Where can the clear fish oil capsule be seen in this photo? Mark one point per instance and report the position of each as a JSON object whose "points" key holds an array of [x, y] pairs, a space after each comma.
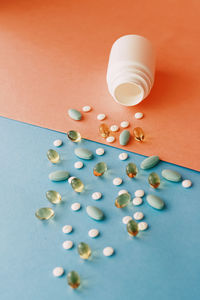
{"points": [[44, 213], [138, 134], [84, 250], [131, 170], [77, 185], [122, 200], [104, 130], [154, 180], [100, 169], [53, 156], [132, 228], [73, 279], [53, 197], [74, 136]]}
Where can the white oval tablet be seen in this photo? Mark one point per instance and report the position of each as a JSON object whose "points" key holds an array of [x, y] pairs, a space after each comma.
{"points": [[117, 181], [110, 139], [108, 251], [122, 192], [139, 193], [67, 245], [138, 215], [100, 151], [67, 229], [58, 271], [86, 108], [78, 164], [126, 219], [75, 206], [114, 128], [96, 196], [186, 183], [123, 156], [124, 124], [70, 179], [142, 226], [93, 233], [137, 201], [57, 143], [139, 115], [101, 117]]}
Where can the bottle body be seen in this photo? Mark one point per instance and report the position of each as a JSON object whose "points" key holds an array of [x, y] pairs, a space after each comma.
{"points": [[131, 67]]}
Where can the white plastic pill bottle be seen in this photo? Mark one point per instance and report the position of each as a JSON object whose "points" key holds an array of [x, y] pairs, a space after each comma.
{"points": [[131, 68]]}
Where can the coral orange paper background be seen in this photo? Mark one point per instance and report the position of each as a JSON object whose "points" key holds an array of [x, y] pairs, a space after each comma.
{"points": [[53, 55]]}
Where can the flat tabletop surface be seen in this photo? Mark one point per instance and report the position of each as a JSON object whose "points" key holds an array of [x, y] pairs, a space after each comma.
{"points": [[161, 263]]}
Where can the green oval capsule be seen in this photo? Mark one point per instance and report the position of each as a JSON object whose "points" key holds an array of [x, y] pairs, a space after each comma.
{"points": [[58, 175], [171, 175], [74, 114], [155, 202], [83, 153], [124, 137], [94, 213], [149, 162]]}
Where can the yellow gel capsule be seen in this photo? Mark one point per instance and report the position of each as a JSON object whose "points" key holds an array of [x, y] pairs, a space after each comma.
{"points": [[44, 213], [73, 279], [132, 228], [100, 169], [53, 156], [77, 185], [131, 170], [74, 136], [138, 134], [104, 130], [84, 250], [154, 180], [53, 197]]}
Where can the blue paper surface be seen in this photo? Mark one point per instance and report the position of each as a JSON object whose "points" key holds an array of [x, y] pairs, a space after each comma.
{"points": [[161, 263]]}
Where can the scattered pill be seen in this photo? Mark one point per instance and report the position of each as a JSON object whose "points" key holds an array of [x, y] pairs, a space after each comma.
{"points": [[75, 114], [70, 179], [58, 175], [77, 185], [83, 153], [100, 151], [139, 193], [58, 271], [53, 197], [110, 139], [74, 136], [57, 143], [67, 245], [171, 175], [93, 233], [131, 170], [94, 212], [108, 251], [101, 117], [99, 169], [139, 115], [149, 162], [84, 250], [126, 219], [73, 279], [138, 215], [53, 156], [124, 137], [123, 156], [78, 165], [117, 181], [124, 124], [67, 229], [137, 201], [122, 192], [138, 134], [142, 226], [132, 228], [155, 201], [154, 180], [186, 183], [104, 130], [44, 213], [75, 206], [122, 200], [114, 128], [86, 108], [96, 196]]}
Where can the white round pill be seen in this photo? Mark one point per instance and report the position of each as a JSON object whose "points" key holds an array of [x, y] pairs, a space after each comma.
{"points": [[101, 117], [124, 124], [123, 156], [114, 128], [67, 245], [96, 196], [139, 193], [93, 233], [58, 271], [142, 226], [78, 164], [186, 183], [57, 143], [126, 219], [75, 206], [100, 151], [137, 201], [139, 115], [122, 192], [138, 215], [86, 108], [70, 179], [108, 251], [110, 139], [67, 229], [117, 181]]}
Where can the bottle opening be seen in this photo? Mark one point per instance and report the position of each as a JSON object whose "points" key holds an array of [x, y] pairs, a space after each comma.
{"points": [[128, 94]]}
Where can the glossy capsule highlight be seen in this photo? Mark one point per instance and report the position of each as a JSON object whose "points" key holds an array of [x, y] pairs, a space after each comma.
{"points": [[74, 136], [132, 228], [44, 213], [53, 197], [84, 250], [122, 200], [53, 156], [154, 180], [104, 130], [73, 279], [100, 169], [77, 185], [138, 134], [131, 170]]}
